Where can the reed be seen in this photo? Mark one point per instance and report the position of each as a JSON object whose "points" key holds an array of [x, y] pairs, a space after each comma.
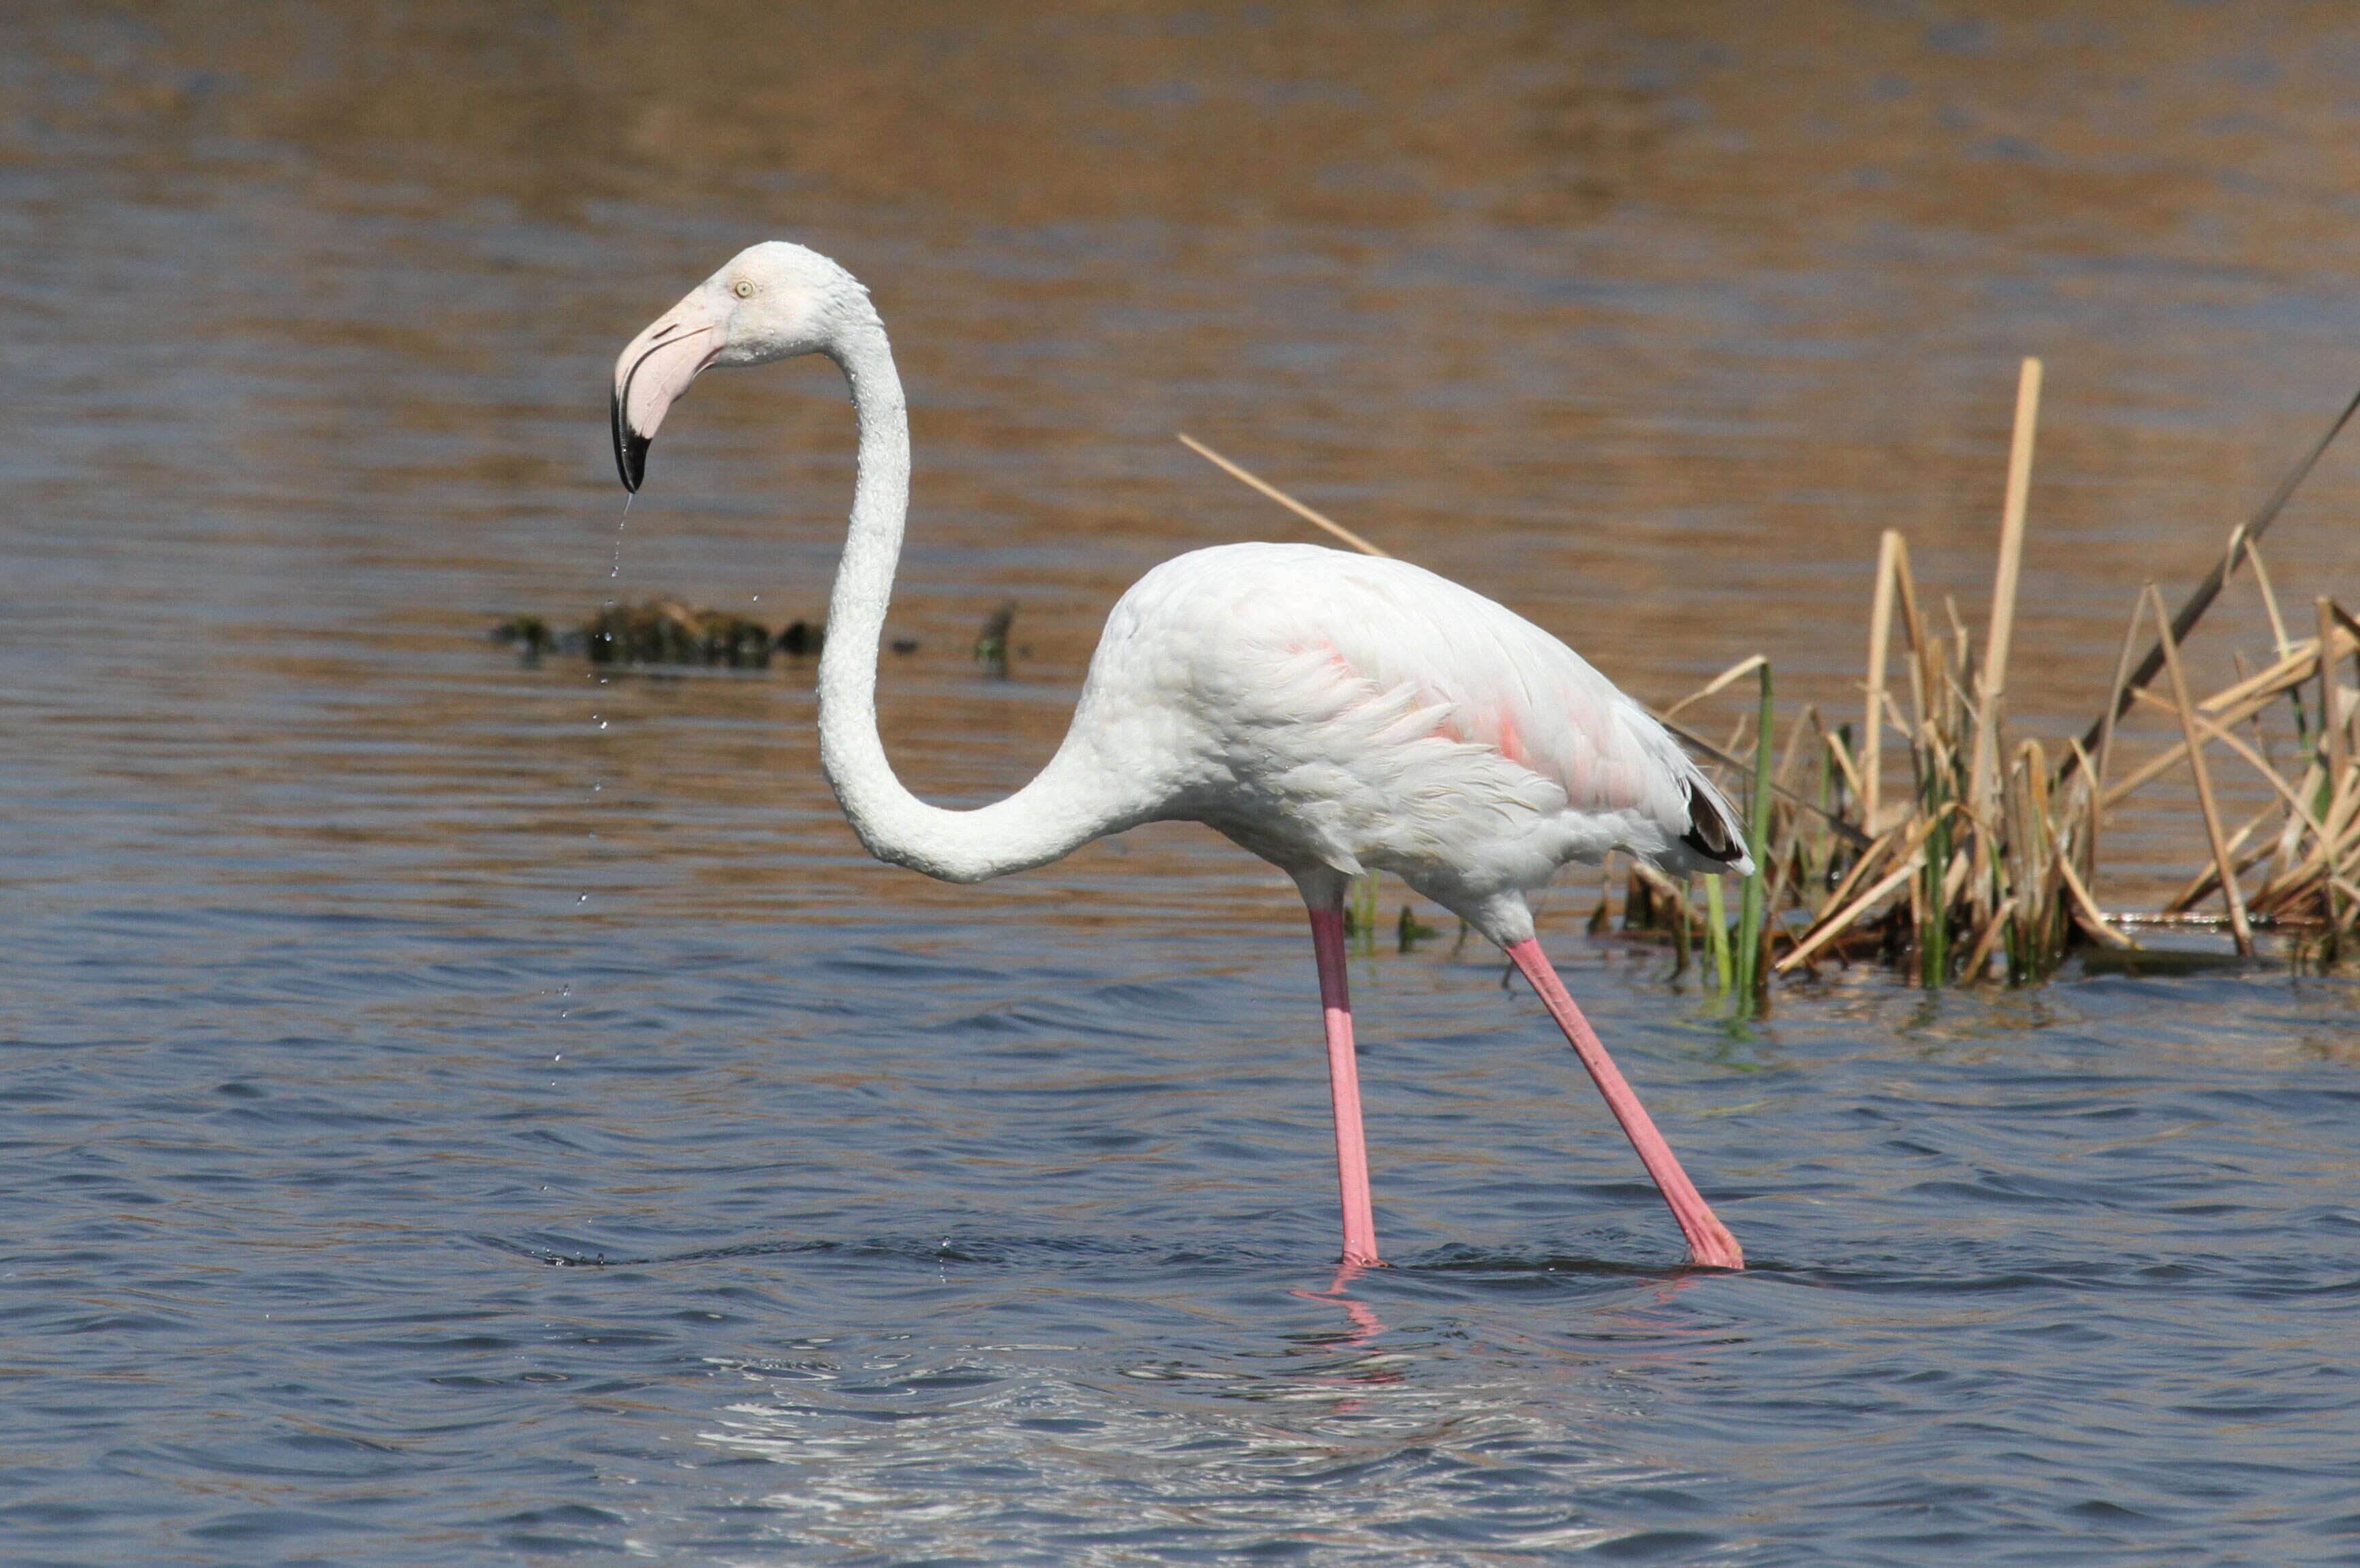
{"points": [[1982, 865], [1982, 870]]}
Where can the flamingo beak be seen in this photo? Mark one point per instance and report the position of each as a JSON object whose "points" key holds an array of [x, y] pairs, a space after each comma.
{"points": [[655, 369]]}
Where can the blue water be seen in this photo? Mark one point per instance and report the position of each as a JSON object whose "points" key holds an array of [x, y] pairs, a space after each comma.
{"points": [[387, 1240], [454, 1111]]}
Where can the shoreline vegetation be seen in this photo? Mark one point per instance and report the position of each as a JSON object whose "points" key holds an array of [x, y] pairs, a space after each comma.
{"points": [[662, 631]]}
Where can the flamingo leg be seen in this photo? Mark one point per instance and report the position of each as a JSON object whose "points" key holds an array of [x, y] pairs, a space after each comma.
{"points": [[1710, 1242], [1344, 1086]]}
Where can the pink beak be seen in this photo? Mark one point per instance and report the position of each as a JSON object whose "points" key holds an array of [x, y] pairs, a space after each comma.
{"points": [[653, 372]]}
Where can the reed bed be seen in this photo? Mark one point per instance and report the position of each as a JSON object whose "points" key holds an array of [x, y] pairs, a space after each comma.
{"points": [[1982, 865], [1926, 835]]}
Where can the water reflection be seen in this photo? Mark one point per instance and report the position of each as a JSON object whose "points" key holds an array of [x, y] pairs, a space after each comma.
{"points": [[1363, 1319]]}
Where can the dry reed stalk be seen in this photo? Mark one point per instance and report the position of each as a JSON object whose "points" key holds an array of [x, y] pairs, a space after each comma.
{"points": [[1892, 560], [1876, 855], [1994, 684], [2231, 893], [2029, 855], [1960, 865], [2099, 796], [2083, 793], [2338, 758], [1744, 666], [2269, 597], [2091, 775], [2089, 916], [1840, 756], [1919, 925], [1978, 962], [1908, 849], [1862, 868], [1913, 627], [1281, 497], [2325, 854], [2337, 752], [1829, 930], [2343, 620], [2300, 663]]}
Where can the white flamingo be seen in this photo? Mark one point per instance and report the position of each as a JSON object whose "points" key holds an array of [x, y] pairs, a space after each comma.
{"points": [[1331, 713]]}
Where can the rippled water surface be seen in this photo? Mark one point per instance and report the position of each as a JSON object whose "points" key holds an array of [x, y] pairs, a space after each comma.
{"points": [[458, 1111]]}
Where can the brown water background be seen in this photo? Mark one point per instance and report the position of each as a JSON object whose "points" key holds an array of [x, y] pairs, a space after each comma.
{"points": [[356, 969]]}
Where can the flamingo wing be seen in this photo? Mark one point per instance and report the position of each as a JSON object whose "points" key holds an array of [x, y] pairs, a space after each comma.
{"points": [[1395, 716]]}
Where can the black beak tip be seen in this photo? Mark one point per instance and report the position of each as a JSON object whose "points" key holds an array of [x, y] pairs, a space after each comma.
{"points": [[630, 451]]}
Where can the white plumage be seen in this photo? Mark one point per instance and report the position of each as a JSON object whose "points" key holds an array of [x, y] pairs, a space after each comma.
{"points": [[1326, 709], [1331, 713]]}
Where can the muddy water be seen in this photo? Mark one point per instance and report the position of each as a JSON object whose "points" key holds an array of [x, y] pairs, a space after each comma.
{"points": [[458, 1111]]}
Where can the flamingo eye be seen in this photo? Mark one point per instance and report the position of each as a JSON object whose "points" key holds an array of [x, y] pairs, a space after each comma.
{"points": [[742, 289]]}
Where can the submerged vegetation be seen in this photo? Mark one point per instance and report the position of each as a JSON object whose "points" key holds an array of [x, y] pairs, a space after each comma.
{"points": [[1928, 838], [662, 631]]}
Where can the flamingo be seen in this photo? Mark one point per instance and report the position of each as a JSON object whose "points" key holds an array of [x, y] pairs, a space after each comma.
{"points": [[1331, 713]]}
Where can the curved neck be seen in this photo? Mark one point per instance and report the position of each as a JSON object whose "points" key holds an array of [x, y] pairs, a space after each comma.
{"points": [[1060, 810]]}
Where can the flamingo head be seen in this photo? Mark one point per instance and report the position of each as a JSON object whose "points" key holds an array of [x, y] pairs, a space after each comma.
{"points": [[773, 300]]}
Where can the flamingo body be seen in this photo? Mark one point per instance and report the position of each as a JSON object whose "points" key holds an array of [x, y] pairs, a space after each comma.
{"points": [[1331, 713], [1327, 711]]}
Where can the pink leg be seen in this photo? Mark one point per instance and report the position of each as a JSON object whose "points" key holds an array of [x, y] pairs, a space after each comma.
{"points": [[1710, 1242], [1344, 1084]]}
